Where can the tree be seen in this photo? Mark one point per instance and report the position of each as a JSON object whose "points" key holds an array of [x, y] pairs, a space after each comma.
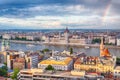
{"points": [[3, 71], [23, 39], [37, 39], [0, 37], [118, 61], [109, 44], [14, 75], [5, 63], [49, 67], [71, 50], [97, 40], [45, 50], [5, 68]]}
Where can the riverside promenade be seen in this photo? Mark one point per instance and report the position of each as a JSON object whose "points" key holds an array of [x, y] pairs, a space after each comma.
{"points": [[80, 45], [62, 44], [24, 42]]}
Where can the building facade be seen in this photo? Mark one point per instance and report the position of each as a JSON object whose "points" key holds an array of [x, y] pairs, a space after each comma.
{"points": [[32, 60], [59, 63], [104, 63], [118, 40], [19, 63], [40, 74]]}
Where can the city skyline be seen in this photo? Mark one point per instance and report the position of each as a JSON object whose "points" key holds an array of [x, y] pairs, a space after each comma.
{"points": [[46, 14]]}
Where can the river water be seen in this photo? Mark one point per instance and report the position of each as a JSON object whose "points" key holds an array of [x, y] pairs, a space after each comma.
{"points": [[89, 51]]}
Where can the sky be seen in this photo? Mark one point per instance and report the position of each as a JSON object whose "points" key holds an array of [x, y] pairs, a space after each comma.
{"points": [[59, 14]]}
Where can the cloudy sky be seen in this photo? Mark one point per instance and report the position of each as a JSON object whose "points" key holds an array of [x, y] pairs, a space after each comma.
{"points": [[58, 14]]}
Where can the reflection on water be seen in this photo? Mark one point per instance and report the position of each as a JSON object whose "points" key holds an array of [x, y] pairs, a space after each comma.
{"points": [[89, 51]]}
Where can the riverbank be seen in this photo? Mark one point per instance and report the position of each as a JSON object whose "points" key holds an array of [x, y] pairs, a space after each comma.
{"points": [[81, 45], [25, 42], [63, 44]]}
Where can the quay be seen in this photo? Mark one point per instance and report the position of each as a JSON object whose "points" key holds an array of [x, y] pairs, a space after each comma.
{"points": [[63, 44]]}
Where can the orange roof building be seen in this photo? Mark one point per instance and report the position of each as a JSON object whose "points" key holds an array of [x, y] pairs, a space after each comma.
{"points": [[105, 52]]}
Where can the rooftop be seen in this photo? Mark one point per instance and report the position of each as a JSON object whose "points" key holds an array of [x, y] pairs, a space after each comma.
{"points": [[20, 60], [106, 52], [2, 78], [32, 70], [85, 60], [117, 68], [56, 73], [60, 61], [106, 61]]}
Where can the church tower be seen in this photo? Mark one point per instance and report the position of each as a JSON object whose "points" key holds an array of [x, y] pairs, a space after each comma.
{"points": [[104, 52], [101, 46], [5, 45]]}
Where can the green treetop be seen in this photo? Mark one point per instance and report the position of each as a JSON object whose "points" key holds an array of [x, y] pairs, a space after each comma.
{"points": [[49, 67], [71, 50], [14, 75]]}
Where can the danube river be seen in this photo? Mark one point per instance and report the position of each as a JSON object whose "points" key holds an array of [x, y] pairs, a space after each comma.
{"points": [[88, 51]]}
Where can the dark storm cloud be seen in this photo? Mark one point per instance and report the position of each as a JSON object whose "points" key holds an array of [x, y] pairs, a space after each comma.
{"points": [[85, 10], [13, 7]]}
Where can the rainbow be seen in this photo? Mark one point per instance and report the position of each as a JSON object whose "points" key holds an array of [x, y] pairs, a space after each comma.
{"points": [[106, 12]]}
